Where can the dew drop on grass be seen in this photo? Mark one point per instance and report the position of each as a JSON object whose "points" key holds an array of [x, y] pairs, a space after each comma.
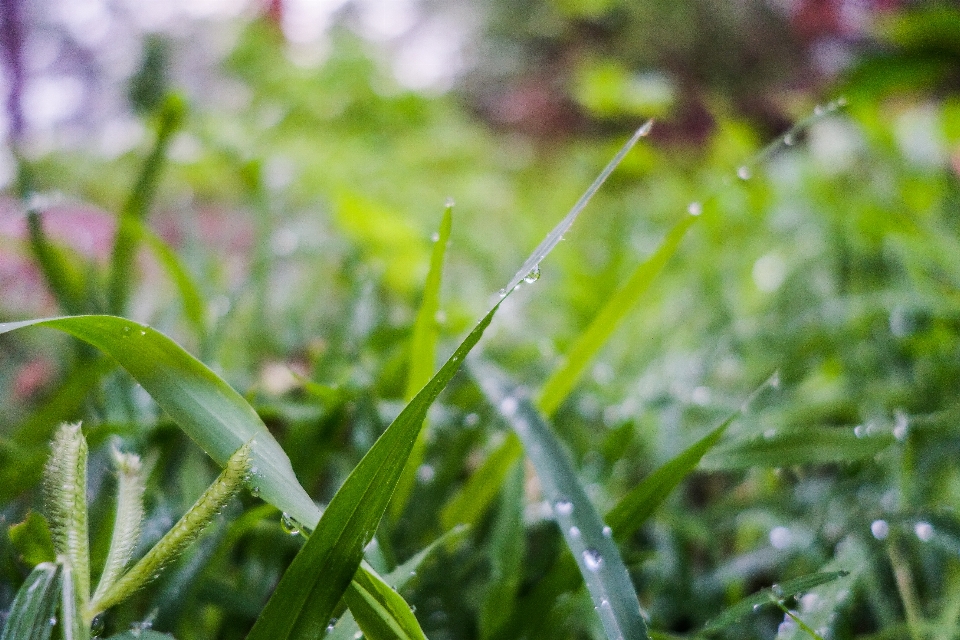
{"points": [[126, 331], [924, 531], [450, 203], [289, 525], [818, 110], [744, 172], [695, 208], [900, 424], [508, 406], [255, 491], [607, 532], [757, 606], [502, 293], [563, 507], [592, 559], [52, 621], [435, 237], [574, 532], [777, 590], [358, 635], [789, 139], [646, 128], [330, 627], [860, 431], [533, 276], [425, 473]]}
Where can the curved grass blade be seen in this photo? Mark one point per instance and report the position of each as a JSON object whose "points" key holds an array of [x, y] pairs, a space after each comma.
{"points": [[214, 415], [380, 611], [471, 502], [62, 276], [308, 593], [593, 548], [505, 554], [35, 605], [187, 287], [562, 380], [772, 595], [817, 445], [423, 355], [556, 234]]}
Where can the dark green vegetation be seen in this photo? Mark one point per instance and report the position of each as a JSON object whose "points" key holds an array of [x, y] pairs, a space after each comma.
{"points": [[731, 393]]}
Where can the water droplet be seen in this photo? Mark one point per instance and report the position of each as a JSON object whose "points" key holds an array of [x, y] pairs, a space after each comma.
{"points": [[789, 139], [645, 128], [358, 635], [592, 559], [757, 606], [574, 532], [818, 110], [425, 473], [330, 628], [413, 608], [508, 406], [502, 293], [775, 380], [777, 590], [695, 208], [126, 331], [860, 430], [924, 531], [289, 525], [780, 537], [607, 532], [52, 621], [96, 627], [533, 276], [841, 102], [255, 491], [450, 203], [744, 173], [604, 603], [769, 434], [471, 420], [142, 332], [563, 507], [900, 424], [880, 529], [435, 236]]}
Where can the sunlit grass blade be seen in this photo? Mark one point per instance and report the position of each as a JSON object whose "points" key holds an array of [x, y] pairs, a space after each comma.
{"points": [[35, 605], [313, 584], [423, 355], [470, 503], [138, 203], [771, 595], [556, 234], [346, 627], [190, 298], [814, 445], [561, 382], [592, 546], [203, 405], [380, 611]]}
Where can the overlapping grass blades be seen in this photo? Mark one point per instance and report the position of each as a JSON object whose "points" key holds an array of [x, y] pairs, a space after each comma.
{"points": [[311, 587], [35, 605], [585, 533]]}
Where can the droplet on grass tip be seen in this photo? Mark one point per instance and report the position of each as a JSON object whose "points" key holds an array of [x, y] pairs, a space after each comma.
{"points": [[607, 532], [744, 172], [645, 128], [289, 525], [695, 208], [777, 590], [592, 559], [450, 203]]}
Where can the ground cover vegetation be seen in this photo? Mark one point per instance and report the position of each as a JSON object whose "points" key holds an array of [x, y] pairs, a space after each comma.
{"points": [[339, 363]]}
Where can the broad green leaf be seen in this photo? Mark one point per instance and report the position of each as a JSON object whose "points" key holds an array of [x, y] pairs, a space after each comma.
{"points": [[423, 356], [308, 593], [33, 612], [639, 504], [816, 445], [471, 502], [380, 611], [561, 382], [771, 595], [346, 627], [532, 264], [32, 539], [204, 406], [592, 546]]}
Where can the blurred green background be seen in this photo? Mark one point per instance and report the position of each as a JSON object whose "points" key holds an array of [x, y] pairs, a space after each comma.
{"points": [[319, 145]]}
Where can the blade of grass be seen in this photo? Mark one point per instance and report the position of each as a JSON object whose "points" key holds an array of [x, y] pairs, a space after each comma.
{"points": [[593, 549], [816, 445], [772, 595], [380, 611], [556, 234], [470, 503], [505, 555], [588, 344], [423, 356], [35, 605], [171, 115], [62, 276], [214, 415], [313, 584]]}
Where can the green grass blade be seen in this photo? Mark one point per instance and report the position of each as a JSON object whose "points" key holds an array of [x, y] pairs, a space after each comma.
{"points": [[380, 611], [142, 634], [556, 234], [135, 209], [633, 509], [816, 445], [35, 605], [771, 595], [203, 405], [472, 501], [190, 297], [313, 584], [62, 276], [565, 376], [423, 356], [505, 555], [593, 549]]}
